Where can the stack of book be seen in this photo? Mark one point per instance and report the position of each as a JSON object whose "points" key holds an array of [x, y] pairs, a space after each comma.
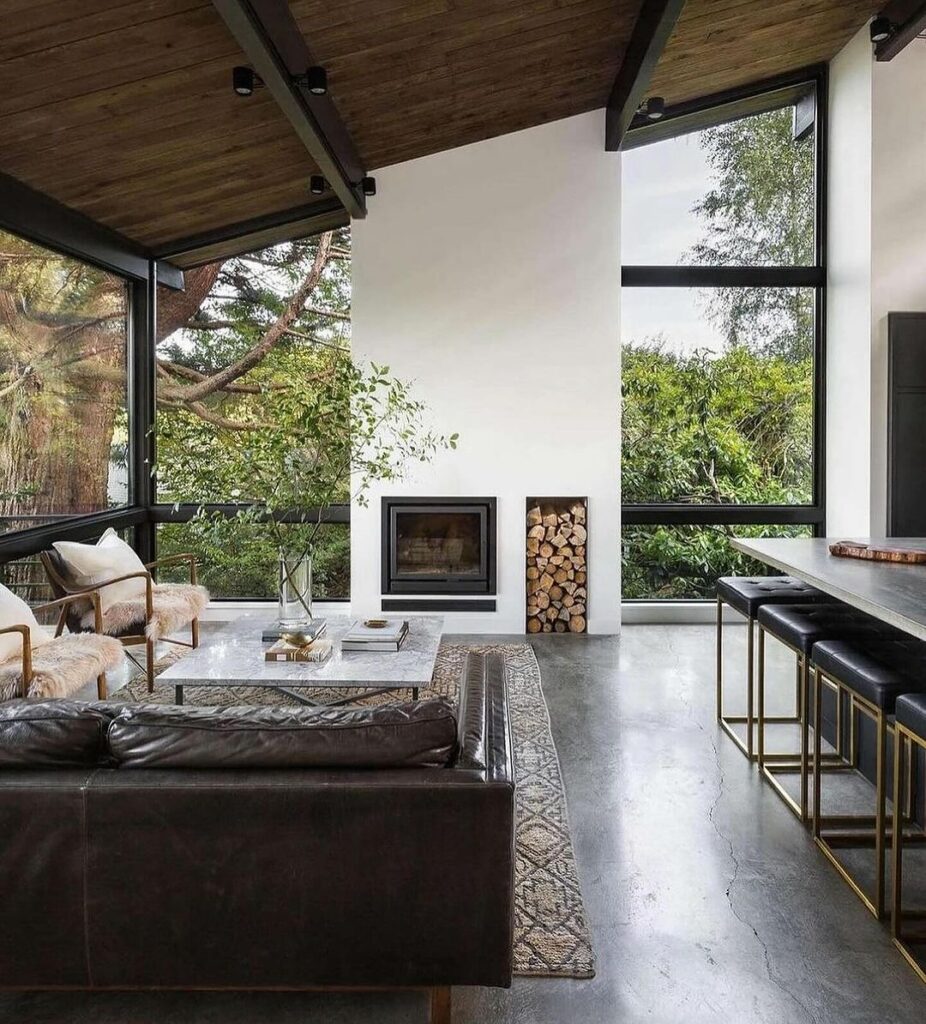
{"points": [[283, 650], [375, 635]]}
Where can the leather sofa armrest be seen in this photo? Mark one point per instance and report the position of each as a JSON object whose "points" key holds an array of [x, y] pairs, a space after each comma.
{"points": [[484, 732]]}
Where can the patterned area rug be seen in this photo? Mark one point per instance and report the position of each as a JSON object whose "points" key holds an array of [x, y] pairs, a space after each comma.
{"points": [[551, 931]]}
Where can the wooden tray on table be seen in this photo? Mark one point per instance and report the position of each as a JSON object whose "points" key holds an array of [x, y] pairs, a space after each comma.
{"points": [[878, 552]]}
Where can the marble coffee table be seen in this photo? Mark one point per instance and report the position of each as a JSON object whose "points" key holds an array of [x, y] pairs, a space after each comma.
{"points": [[234, 656]]}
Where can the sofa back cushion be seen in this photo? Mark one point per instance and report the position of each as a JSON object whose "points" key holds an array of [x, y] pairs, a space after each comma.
{"points": [[51, 733], [417, 734]]}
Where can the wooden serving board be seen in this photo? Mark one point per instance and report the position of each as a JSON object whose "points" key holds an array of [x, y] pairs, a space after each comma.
{"points": [[878, 552]]}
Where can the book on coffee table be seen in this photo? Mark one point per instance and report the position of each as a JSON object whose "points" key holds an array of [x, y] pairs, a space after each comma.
{"points": [[387, 637], [282, 650]]}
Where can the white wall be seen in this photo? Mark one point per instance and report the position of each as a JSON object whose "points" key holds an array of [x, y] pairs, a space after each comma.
{"points": [[876, 264], [898, 237], [490, 275], [848, 313]]}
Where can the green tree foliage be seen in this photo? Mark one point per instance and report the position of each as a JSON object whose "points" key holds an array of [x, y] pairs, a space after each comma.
{"points": [[759, 211]]}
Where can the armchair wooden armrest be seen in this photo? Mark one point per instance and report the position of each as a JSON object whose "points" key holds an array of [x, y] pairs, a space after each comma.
{"points": [[65, 602], [184, 556], [138, 574], [26, 634]]}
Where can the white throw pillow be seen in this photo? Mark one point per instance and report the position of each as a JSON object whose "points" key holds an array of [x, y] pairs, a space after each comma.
{"points": [[15, 612], [109, 558]]}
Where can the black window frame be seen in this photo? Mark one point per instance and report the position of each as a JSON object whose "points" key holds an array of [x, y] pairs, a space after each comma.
{"points": [[682, 119]]}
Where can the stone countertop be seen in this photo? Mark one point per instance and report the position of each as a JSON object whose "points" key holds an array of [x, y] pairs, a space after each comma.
{"points": [[892, 592], [234, 656]]}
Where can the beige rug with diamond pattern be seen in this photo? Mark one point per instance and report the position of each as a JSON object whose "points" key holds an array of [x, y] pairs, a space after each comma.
{"points": [[551, 930]]}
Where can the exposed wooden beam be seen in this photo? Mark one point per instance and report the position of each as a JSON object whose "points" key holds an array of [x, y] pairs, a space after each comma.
{"points": [[324, 215], [909, 20], [268, 34], [651, 32]]}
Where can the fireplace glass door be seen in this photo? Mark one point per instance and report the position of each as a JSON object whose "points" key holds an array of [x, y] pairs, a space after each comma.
{"points": [[438, 547]]}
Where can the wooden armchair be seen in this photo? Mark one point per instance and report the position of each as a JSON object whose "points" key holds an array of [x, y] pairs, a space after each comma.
{"points": [[164, 607], [62, 665]]}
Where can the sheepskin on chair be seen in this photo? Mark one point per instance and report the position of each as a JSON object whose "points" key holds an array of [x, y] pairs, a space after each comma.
{"points": [[175, 605], [62, 666]]}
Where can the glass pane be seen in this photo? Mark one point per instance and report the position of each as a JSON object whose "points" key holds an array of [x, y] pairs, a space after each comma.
{"points": [[684, 562], [717, 395], [739, 194], [438, 544], [234, 386], [63, 421], [239, 559]]}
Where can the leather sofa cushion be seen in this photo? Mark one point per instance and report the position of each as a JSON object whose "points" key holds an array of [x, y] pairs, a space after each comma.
{"points": [[416, 734], [51, 733]]}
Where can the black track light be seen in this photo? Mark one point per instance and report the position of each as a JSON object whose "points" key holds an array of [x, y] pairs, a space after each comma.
{"points": [[881, 29], [244, 81], [654, 108], [316, 81], [368, 186], [317, 184]]}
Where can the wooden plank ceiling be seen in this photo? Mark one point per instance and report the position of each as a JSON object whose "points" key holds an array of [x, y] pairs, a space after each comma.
{"points": [[721, 44], [123, 109]]}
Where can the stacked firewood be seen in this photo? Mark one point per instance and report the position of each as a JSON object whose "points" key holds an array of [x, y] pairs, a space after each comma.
{"points": [[556, 567]]}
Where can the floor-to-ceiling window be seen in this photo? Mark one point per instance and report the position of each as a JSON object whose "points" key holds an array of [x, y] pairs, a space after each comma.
{"points": [[722, 337], [64, 427]]}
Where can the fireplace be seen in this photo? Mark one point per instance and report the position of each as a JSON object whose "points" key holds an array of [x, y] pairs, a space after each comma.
{"points": [[438, 546]]}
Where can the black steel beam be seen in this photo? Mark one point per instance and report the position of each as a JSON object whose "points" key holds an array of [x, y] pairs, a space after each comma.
{"points": [[637, 276], [25, 211], [908, 17], [22, 543], [651, 32], [721, 515], [257, 233], [727, 105], [274, 44]]}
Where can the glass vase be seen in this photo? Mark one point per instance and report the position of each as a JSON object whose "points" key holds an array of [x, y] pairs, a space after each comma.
{"points": [[295, 581]]}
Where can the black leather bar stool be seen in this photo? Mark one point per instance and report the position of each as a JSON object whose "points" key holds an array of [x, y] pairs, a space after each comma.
{"points": [[909, 734], [746, 595], [874, 675], [799, 627]]}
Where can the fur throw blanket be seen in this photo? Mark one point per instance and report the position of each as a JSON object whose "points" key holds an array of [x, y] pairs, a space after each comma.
{"points": [[62, 666], [175, 605]]}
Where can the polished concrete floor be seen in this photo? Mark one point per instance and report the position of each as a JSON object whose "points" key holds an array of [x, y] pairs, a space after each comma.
{"points": [[707, 901]]}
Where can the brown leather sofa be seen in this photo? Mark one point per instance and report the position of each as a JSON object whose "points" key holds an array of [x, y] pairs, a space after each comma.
{"points": [[259, 878]]}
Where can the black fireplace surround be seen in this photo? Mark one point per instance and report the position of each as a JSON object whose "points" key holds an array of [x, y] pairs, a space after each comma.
{"points": [[438, 545]]}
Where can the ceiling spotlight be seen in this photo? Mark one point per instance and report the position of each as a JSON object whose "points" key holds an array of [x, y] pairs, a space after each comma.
{"points": [[317, 184], [368, 186], [881, 29], [316, 81], [654, 108], [244, 81]]}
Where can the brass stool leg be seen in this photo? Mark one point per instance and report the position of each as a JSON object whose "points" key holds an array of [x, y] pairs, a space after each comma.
{"points": [[817, 747], [750, 686], [880, 813], [760, 682], [805, 734], [897, 840], [719, 658]]}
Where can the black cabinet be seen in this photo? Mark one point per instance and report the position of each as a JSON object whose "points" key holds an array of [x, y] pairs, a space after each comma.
{"points": [[906, 459]]}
